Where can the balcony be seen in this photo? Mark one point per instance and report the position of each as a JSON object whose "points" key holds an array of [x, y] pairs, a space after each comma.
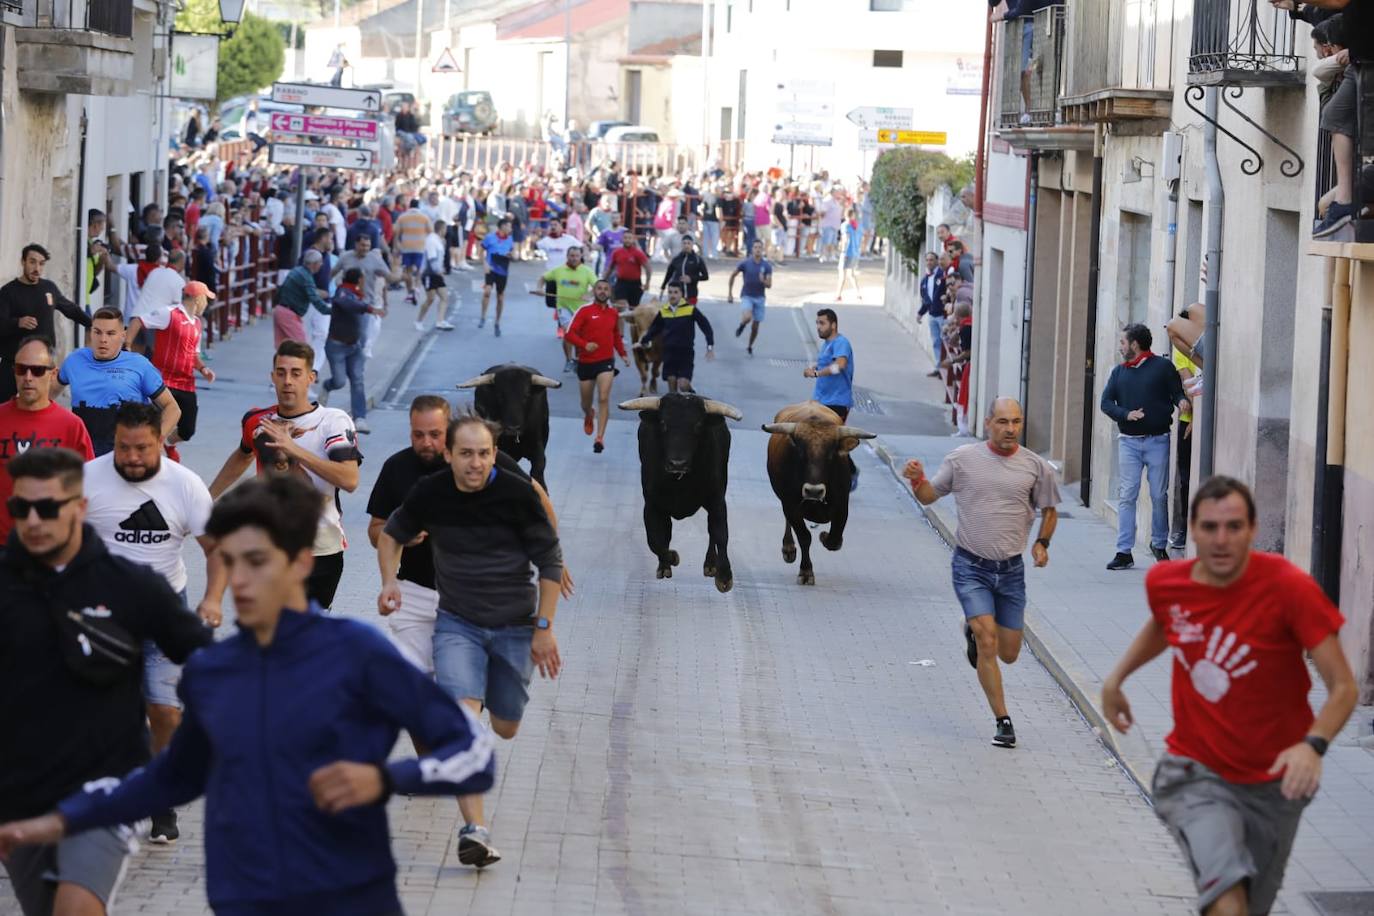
{"points": [[79, 47], [1243, 43], [1031, 77], [1117, 62]]}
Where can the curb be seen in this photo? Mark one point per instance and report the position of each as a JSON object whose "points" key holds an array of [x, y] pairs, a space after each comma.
{"points": [[1081, 690], [377, 394]]}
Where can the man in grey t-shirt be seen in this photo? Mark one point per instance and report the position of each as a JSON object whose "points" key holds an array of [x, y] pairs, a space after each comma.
{"points": [[997, 487], [369, 260]]}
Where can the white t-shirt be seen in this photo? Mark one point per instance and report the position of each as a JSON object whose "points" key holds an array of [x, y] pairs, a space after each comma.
{"points": [[128, 272], [434, 253], [161, 290], [149, 520], [557, 248]]}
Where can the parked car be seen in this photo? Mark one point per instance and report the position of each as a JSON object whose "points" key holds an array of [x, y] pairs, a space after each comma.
{"points": [[470, 112], [597, 129], [631, 133]]}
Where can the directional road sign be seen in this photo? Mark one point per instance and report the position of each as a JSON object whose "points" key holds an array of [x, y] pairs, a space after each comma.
{"points": [[870, 118], [329, 157], [804, 112], [312, 126], [916, 137], [868, 140], [317, 96]]}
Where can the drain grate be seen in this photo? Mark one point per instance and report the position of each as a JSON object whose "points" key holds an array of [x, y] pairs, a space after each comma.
{"points": [[865, 402], [1343, 903], [779, 363]]}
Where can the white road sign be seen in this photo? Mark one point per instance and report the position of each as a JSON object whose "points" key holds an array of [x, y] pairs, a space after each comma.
{"points": [[329, 157], [871, 118], [327, 96], [804, 112]]}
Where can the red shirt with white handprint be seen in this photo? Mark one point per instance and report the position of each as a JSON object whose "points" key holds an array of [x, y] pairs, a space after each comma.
{"points": [[1240, 680]]}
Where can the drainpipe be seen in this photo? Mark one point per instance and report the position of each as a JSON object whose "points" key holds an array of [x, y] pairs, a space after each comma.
{"points": [[980, 166], [79, 255], [1211, 299], [1090, 356], [1028, 288], [1171, 248], [1328, 483]]}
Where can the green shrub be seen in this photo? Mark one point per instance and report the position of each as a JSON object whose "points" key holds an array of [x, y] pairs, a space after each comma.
{"points": [[902, 181]]}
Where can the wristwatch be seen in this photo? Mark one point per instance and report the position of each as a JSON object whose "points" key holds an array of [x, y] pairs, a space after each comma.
{"points": [[542, 623], [1043, 542], [1317, 743]]}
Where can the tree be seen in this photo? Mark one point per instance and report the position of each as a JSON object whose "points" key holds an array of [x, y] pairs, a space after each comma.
{"points": [[250, 59], [903, 179]]}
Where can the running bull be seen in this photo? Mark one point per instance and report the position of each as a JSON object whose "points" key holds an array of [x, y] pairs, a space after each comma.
{"points": [[517, 398], [810, 470], [684, 457]]}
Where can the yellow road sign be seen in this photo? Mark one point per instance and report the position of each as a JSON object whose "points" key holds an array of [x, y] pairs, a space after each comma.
{"points": [[919, 137]]}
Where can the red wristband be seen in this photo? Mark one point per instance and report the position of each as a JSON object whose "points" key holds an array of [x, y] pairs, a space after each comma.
{"points": [[916, 484]]}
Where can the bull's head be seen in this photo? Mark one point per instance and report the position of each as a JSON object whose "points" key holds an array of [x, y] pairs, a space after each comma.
{"points": [[680, 419], [819, 445], [503, 394]]}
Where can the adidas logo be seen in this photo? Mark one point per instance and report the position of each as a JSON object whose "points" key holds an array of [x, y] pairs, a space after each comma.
{"points": [[142, 526]]}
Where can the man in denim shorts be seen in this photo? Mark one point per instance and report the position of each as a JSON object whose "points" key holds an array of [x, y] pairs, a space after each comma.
{"points": [[758, 279], [486, 527], [997, 487]]}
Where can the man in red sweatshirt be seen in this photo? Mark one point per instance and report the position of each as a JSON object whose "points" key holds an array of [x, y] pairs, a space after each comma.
{"points": [[595, 330]]}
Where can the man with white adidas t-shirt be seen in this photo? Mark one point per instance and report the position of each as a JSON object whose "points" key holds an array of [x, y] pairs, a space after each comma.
{"points": [[144, 509]]}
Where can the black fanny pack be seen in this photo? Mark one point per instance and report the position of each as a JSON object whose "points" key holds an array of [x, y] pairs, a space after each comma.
{"points": [[94, 647]]}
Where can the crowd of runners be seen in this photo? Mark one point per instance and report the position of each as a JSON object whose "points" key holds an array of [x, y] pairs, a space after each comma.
{"points": [[286, 726]]}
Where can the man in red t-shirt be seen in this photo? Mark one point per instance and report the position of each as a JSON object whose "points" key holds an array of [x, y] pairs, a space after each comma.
{"points": [[176, 354], [31, 420], [1245, 755], [595, 331], [628, 264]]}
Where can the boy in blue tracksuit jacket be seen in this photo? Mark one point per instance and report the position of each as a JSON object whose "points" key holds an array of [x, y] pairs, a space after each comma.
{"points": [[286, 732], [678, 322]]}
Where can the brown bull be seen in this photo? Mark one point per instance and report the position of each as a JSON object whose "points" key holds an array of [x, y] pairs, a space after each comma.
{"points": [[810, 470], [648, 360]]}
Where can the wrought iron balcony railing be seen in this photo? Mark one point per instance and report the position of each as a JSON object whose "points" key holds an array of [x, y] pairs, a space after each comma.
{"points": [[1031, 66], [1243, 43]]}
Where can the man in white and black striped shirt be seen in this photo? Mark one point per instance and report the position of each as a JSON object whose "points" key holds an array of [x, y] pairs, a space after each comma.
{"points": [[997, 487]]}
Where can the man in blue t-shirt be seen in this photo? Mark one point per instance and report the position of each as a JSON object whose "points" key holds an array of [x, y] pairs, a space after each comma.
{"points": [[104, 375], [758, 278], [834, 373], [498, 247]]}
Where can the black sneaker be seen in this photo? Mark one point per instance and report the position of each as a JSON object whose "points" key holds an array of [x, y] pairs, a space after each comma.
{"points": [[1178, 542], [598, 446], [1121, 561], [749, 350], [740, 330], [1006, 735], [164, 831], [474, 847], [972, 646], [1159, 553]]}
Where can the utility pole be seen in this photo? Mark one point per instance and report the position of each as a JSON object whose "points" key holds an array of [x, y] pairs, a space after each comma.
{"points": [[567, 63], [419, 46]]}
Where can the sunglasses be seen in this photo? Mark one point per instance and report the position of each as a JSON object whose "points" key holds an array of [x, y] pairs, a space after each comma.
{"points": [[23, 369], [47, 507]]}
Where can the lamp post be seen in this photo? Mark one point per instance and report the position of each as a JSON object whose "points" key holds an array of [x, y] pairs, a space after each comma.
{"points": [[231, 11]]}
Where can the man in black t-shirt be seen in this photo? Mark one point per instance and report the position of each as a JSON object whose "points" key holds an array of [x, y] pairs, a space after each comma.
{"points": [[27, 304]]}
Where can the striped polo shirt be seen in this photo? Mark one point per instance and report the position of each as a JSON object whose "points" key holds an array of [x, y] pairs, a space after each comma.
{"points": [[996, 496], [412, 228]]}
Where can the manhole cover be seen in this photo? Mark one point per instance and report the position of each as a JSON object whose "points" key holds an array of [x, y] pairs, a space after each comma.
{"points": [[1343, 903]]}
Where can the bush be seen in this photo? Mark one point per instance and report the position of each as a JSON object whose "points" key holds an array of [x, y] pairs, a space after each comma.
{"points": [[902, 180]]}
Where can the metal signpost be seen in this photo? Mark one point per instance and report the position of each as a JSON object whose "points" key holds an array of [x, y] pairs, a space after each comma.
{"points": [[316, 96]]}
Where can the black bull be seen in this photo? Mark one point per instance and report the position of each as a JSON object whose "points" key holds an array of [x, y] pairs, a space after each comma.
{"points": [[516, 397], [684, 457]]}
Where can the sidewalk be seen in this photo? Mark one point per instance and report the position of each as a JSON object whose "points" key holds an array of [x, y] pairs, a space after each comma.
{"points": [[1081, 618]]}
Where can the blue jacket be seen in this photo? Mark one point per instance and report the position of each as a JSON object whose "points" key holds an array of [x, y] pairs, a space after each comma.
{"points": [[257, 722], [933, 304], [679, 328]]}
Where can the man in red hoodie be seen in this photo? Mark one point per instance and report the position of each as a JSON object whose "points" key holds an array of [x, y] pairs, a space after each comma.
{"points": [[595, 330]]}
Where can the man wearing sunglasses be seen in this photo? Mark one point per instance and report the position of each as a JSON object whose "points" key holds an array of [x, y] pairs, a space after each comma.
{"points": [[31, 419], [70, 625]]}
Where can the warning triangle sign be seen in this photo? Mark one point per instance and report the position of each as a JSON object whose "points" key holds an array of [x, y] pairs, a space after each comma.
{"points": [[445, 63]]}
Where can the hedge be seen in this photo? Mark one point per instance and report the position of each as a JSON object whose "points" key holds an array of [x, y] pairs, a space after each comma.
{"points": [[902, 181]]}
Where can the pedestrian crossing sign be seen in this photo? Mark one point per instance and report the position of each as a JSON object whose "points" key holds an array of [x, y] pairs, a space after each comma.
{"points": [[446, 63]]}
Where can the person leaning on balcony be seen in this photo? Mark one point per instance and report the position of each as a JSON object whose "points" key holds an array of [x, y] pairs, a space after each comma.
{"points": [[1024, 10], [1141, 395]]}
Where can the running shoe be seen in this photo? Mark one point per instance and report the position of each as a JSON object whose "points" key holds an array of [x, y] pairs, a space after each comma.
{"points": [[410, 297], [1006, 735], [1121, 561], [1178, 542], [587, 424], [481, 322], [1159, 553], [498, 329], [740, 330], [323, 399], [1337, 217], [360, 425], [569, 366], [443, 325], [164, 831], [474, 847], [972, 647], [598, 446], [420, 326], [749, 350]]}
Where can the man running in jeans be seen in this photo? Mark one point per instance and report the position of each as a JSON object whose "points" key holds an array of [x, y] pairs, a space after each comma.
{"points": [[486, 528], [1245, 755], [595, 331], [758, 278], [997, 487], [145, 509]]}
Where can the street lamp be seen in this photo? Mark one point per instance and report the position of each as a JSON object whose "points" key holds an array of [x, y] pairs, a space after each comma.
{"points": [[231, 11]]}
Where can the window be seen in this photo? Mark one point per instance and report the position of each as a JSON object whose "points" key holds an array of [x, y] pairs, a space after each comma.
{"points": [[887, 58]]}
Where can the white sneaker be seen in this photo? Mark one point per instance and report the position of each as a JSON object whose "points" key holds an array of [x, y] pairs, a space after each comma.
{"points": [[419, 325], [323, 399], [443, 325], [360, 425]]}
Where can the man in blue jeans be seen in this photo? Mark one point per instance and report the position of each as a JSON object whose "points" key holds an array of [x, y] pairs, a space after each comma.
{"points": [[486, 527], [344, 347], [1141, 396], [997, 487]]}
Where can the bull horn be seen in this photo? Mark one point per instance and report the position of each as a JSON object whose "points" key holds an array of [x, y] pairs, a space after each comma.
{"points": [[853, 432], [544, 381], [640, 404], [485, 378], [785, 429], [722, 409]]}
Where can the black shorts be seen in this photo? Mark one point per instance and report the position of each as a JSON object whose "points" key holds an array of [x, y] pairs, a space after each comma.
{"points": [[435, 281], [186, 400], [323, 581], [630, 291], [551, 293], [678, 364], [842, 411], [497, 280], [588, 372]]}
